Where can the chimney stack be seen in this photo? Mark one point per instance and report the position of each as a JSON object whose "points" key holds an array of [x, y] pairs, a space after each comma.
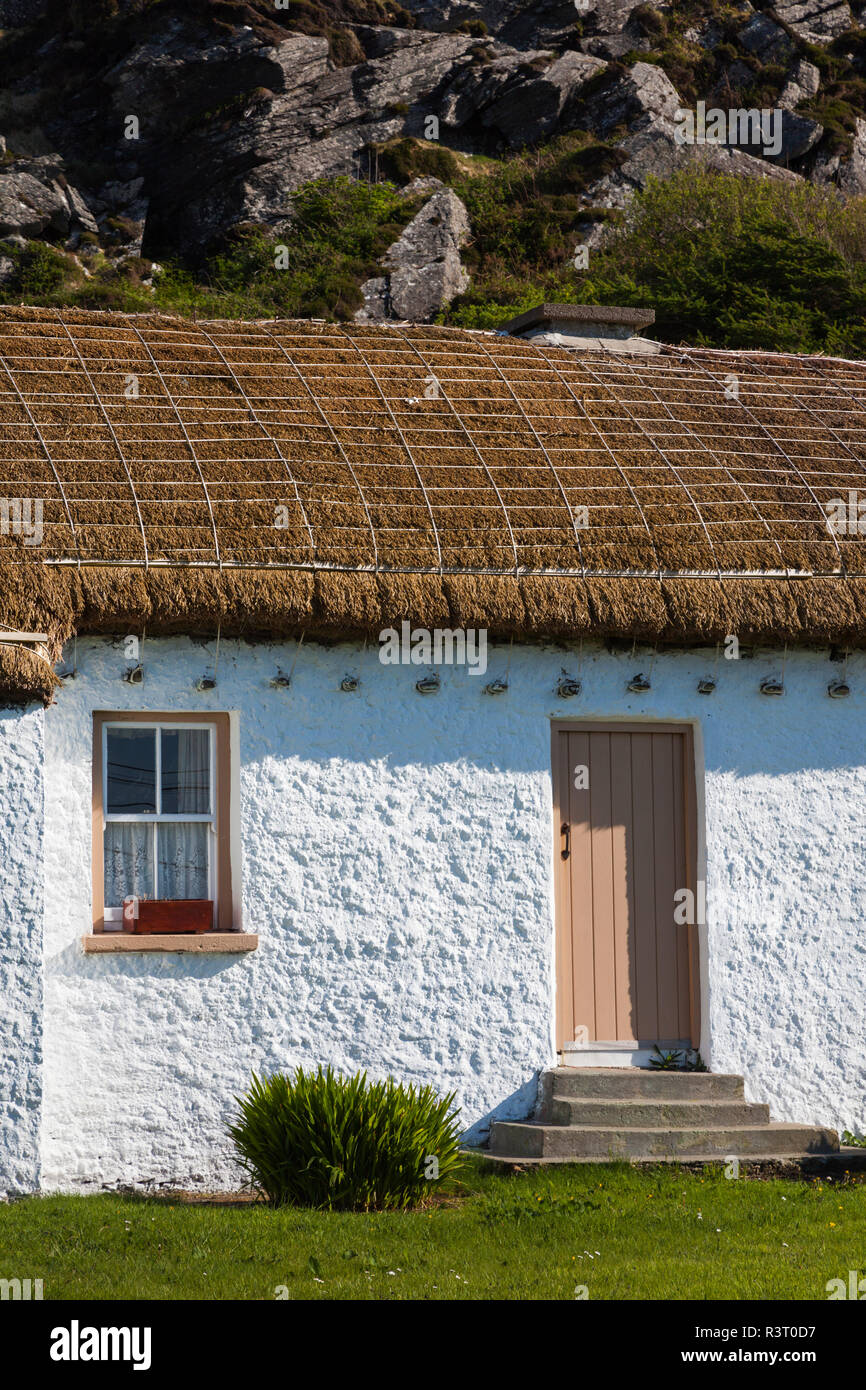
{"points": [[596, 326]]}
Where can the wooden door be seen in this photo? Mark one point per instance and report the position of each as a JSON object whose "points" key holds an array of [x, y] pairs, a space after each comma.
{"points": [[625, 825]]}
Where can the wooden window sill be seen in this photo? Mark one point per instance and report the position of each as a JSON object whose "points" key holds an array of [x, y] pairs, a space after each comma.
{"points": [[227, 942]]}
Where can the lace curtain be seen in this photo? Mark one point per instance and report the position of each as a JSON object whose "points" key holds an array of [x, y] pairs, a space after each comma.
{"points": [[182, 860], [128, 861], [182, 847]]}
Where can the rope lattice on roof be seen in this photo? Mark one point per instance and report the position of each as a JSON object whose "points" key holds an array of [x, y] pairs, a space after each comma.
{"points": [[269, 439], [748, 500], [574, 526], [653, 442], [466, 503], [101, 407], [408, 451], [839, 385], [777, 445], [337, 442], [478, 454], [613, 457], [189, 444], [47, 452]]}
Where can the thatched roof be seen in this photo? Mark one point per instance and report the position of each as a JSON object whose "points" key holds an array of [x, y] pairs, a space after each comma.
{"points": [[285, 477]]}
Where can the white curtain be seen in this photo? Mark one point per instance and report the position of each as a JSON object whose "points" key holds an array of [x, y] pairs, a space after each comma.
{"points": [[182, 848], [193, 772], [128, 861]]}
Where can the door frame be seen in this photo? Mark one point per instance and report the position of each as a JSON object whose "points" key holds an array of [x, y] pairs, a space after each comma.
{"points": [[694, 852]]}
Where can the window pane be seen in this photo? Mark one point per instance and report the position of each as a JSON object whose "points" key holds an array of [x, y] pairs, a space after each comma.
{"points": [[185, 772], [182, 850], [128, 861], [131, 779]]}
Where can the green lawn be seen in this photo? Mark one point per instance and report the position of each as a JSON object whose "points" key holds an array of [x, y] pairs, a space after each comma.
{"points": [[623, 1233]]}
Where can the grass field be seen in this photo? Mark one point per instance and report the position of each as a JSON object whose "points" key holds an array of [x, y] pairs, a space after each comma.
{"points": [[622, 1233]]}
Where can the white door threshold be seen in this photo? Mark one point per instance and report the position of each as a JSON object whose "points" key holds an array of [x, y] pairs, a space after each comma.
{"points": [[615, 1054]]}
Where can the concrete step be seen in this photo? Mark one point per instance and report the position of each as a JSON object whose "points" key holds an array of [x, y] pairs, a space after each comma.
{"points": [[635, 1083], [655, 1114], [774, 1165], [532, 1139]]}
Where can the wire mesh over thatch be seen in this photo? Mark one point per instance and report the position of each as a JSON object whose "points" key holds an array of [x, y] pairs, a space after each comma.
{"points": [[280, 477]]}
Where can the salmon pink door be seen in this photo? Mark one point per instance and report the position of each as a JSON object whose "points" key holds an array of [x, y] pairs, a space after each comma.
{"points": [[625, 826]]}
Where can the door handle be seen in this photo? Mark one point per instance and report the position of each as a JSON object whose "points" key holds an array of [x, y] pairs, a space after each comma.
{"points": [[566, 831]]}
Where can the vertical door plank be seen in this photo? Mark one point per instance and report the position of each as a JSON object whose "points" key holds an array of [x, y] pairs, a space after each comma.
{"points": [[682, 879], [561, 879], [602, 887], [644, 903], [622, 885], [666, 928], [581, 878]]}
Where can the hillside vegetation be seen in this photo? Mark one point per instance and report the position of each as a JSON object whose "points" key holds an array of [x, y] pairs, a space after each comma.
{"points": [[279, 154]]}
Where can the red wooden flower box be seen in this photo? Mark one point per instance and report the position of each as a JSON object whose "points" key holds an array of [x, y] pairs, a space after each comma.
{"points": [[173, 915]]}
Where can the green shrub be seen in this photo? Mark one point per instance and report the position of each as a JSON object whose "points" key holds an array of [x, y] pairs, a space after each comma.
{"points": [[406, 159], [526, 213], [317, 1139], [476, 27], [40, 271], [738, 263]]}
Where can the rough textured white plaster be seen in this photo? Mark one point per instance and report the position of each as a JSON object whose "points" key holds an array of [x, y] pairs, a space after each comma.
{"points": [[397, 863], [21, 914]]}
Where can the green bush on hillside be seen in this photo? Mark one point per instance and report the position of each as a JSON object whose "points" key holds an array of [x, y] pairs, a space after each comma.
{"points": [[738, 263]]}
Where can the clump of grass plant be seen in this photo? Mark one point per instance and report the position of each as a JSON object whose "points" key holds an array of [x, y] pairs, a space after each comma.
{"points": [[344, 1143]]}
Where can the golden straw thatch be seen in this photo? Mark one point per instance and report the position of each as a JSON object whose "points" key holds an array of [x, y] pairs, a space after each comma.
{"points": [[289, 477]]}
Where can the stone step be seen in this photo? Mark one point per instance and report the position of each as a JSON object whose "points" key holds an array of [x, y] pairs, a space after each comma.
{"points": [[635, 1083], [532, 1139], [655, 1114], [774, 1165]]}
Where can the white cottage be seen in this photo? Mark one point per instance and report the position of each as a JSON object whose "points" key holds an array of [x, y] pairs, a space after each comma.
{"points": [[460, 707]]}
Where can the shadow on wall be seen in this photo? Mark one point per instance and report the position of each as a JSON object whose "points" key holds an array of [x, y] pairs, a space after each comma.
{"points": [[520, 1105], [149, 964], [745, 734]]}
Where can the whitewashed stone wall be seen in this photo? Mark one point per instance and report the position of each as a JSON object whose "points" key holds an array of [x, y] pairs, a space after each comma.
{"points": [[397, 864], [21, 917]]}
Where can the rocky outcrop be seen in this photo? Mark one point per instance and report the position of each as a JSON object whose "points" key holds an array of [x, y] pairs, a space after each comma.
{"points": [[647, 102], [847, 173], [449, 14], [766, 40], [520, 96], [423, 267], [313, 121], [802, 85], [816, 21], [799, 136], [37, 200], [196, 118], [644, 99]]}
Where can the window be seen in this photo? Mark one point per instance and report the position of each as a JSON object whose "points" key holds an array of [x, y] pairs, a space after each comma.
{"points": [[161, 815]]}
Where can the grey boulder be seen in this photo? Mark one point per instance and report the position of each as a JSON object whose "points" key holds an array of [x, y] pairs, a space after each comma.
{"points": [[424, 270], [802, 85], [766, 40], [36, 199], [846, 174], [816, 20]]}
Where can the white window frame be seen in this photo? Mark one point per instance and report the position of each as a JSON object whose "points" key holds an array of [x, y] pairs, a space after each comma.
{"points": [[115, 914]]}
